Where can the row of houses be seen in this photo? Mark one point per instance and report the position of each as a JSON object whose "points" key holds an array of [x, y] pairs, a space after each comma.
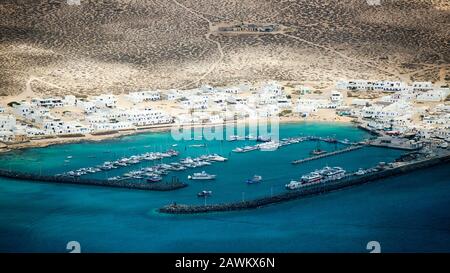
{"points": [[306, 106], [436, 95], [384, 86], [7, 127]]}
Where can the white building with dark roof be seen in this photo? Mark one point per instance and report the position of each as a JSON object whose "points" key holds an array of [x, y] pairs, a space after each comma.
{"points": [[105, 101]]}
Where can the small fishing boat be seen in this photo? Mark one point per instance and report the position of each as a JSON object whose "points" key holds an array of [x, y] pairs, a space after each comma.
{"points": [[115, 178], [218, 158], [197, 145], [360, 172], [154, 179], [202, 176], [318, 152], [254, 179], [204, 193]]}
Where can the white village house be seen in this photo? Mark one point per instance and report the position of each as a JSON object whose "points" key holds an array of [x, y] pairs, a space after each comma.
{"points": [[433, 96], [141, 96], [48, 102], [105, 101], [7, 127]]}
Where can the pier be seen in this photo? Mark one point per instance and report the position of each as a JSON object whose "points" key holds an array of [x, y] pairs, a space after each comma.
{"points": [[346, 150], [395, 143], [309, 191], [369, 130], [162, 186], [291, 141]]}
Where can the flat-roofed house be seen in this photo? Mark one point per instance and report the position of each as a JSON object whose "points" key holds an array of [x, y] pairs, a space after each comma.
{"points": [[47, 103], [141, 96], [422, 86]]}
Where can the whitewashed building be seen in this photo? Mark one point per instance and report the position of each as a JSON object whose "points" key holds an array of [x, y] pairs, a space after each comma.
{"points": [[172, 94], [284, 103], [141, 96], [442, 133], [70, 100], [436, 120], [31, 113], [148, 117], [268, 97], [268, 111], [272, 87], [117, 114], [47, 103], [422, 86], [394, 86], [59, 127], [7, 122], [364, 85], [207, 88], [442, 108], [382, 112], [232, 90], [360, 102], [105, 101], [195, 102], [187, 119], [336, 97], [87, 106], [111, 126], [432, 96], [355, 85], [318, 103]]}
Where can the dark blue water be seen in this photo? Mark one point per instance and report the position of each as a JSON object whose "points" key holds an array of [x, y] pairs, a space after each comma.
{"points": [[406, 213]]}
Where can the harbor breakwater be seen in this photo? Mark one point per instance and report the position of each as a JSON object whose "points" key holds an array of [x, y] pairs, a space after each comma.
{"points": [[161, 186], [309, 191]]}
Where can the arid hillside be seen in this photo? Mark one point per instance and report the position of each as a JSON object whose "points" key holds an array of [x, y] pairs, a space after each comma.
{"points": [[118, 46]]}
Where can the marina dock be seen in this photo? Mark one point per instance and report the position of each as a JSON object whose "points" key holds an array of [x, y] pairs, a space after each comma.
{"points": [[309, 191], [291, 141], [341, 151]]}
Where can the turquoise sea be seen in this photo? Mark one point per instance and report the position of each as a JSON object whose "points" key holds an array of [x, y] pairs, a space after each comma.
{"points": [[409, 213]]}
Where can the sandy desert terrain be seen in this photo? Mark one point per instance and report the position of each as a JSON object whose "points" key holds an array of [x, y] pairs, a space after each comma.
{"points": [[123, 45]]}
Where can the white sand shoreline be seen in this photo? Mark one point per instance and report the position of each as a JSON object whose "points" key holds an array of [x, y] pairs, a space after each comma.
{"points": [[45, 142]]}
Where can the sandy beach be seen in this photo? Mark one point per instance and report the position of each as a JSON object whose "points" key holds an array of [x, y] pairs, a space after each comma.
{"points": [[323, 115]]}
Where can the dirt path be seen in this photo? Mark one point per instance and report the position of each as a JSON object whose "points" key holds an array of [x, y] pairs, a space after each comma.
{"points": [[390, 73], [207, 36], [442, 74]]}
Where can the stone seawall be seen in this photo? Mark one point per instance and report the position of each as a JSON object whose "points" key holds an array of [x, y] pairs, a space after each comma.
{"points": [[313, 190], [162, 186]]}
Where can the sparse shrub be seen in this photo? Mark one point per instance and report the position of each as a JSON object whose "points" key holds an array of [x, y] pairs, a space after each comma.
{"points": [[285, 113]]}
